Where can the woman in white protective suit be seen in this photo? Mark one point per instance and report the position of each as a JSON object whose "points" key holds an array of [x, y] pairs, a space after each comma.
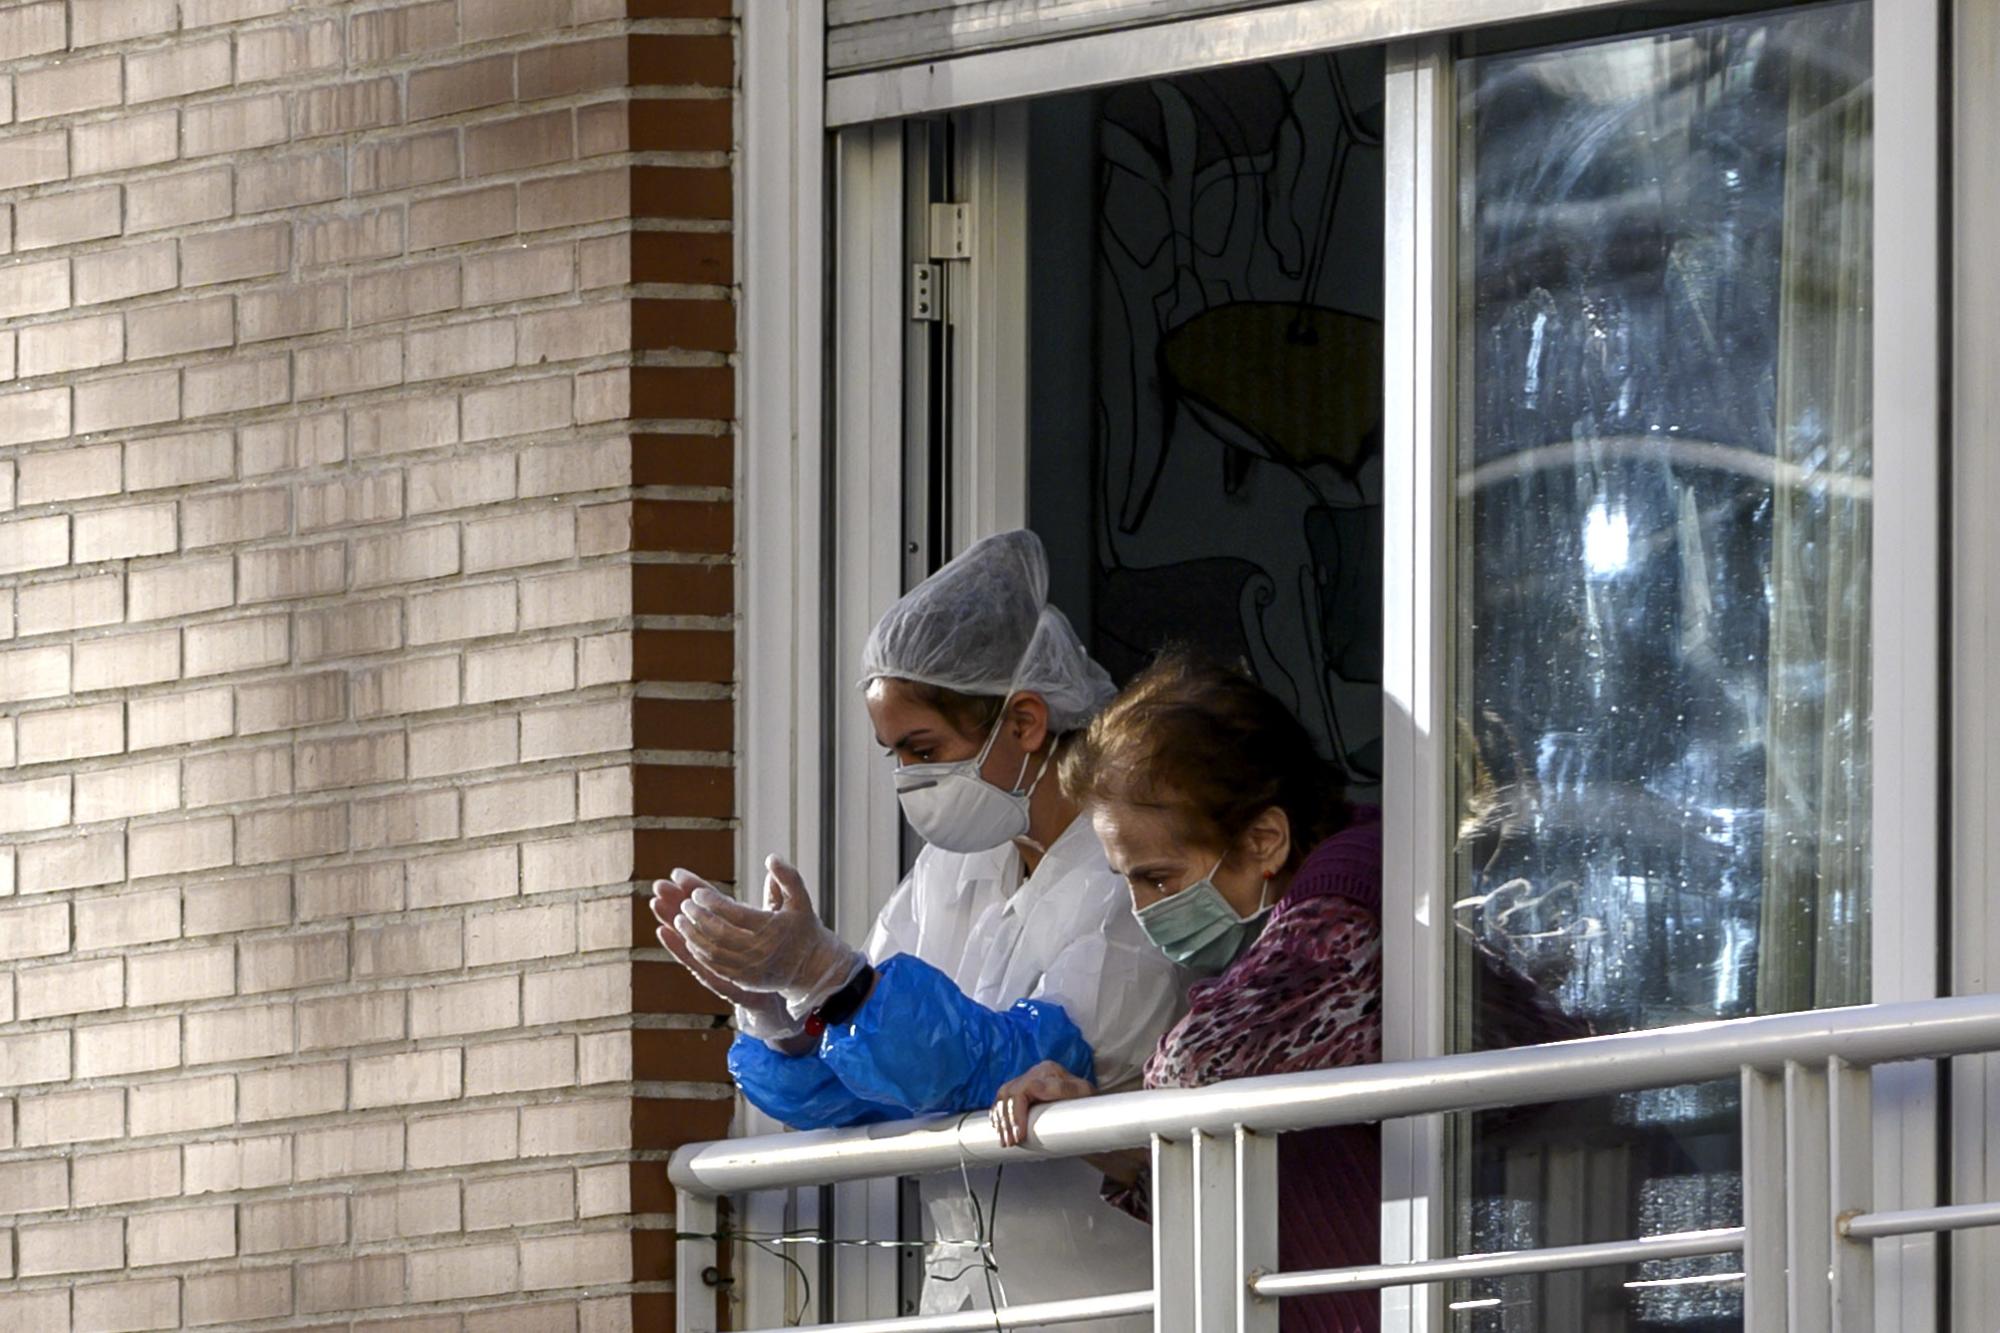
{"points": [[1010, 942]]}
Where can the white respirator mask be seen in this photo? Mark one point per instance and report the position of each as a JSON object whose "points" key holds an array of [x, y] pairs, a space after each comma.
{"points": [[955, 810]]}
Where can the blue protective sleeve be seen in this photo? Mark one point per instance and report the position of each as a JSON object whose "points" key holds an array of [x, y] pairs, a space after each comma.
{"points": [[799, 1089], [921, 1043]]}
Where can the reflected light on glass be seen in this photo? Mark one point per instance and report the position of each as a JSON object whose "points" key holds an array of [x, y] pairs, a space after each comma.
{"points": [[1485, 1303], [1686, 1281], [1607, 541]]}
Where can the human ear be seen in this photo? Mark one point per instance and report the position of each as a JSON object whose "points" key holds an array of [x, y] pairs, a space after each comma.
{"points": [[1028, 721], [1268, 841]]}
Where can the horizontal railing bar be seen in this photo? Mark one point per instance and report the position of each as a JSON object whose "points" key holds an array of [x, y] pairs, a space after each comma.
{"points": [[1009, 1316], [1862, 1035], [1558, 1258], [1913, 1221]]}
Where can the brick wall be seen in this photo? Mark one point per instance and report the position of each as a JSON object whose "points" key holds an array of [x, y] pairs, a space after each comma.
{"points": [[365, 634]]}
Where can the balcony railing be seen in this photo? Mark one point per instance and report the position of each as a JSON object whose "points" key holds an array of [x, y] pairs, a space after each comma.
{"points": [[1808, 1223]]}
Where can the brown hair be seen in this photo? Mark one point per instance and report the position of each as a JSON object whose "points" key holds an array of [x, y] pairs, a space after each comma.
{"points": [[970, 715], [1211, 747]]}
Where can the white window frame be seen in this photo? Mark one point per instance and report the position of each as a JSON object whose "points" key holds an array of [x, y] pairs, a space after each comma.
{"points": [[795, 508]]}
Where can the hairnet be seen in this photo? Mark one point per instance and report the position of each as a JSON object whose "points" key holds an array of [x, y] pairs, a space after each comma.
{"points": [[983, 625]]}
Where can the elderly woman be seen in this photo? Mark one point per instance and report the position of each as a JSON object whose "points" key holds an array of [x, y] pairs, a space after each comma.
{"points": [[1248, 869]]}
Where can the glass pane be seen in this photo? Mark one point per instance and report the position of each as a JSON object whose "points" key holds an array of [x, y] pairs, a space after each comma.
{"points": [[1662, 654]]}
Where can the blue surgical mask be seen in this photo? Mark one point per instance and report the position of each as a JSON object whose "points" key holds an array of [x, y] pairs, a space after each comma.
{"points": [[1197, 927]]}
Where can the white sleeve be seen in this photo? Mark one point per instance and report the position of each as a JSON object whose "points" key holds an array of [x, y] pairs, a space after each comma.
{"points": [[895, 930], [1122, 993]]}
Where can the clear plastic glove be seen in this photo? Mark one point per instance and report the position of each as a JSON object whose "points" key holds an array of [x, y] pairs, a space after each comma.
{"points": [[759, 1014], [1046, 1082], [786, 949]]}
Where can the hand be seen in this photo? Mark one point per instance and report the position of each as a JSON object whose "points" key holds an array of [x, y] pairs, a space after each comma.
{"points": [[785, 949], [760, 1014], [1046, 1082]]}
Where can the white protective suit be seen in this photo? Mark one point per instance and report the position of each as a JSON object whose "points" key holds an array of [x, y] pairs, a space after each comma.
{"points": [[1068, 936]]}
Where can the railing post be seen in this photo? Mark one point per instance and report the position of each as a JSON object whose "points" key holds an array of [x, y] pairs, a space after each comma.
{"points": [[1808, 1201], [1214, 1231], [1173, 1236], [695, 1252], [1763, 1202], [1256, 1228], [1850, 1105]]}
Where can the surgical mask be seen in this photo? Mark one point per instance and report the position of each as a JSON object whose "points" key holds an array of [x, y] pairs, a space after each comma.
{"points": [[955, 810], [1197, 927]]}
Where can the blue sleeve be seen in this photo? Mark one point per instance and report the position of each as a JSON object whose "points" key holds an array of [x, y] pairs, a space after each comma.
{"points": [[921, 1043], [799, 1089]]}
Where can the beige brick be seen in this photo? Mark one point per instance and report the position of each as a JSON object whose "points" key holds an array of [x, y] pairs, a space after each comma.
{"points": [[89, 1116], [397, 821], [351, 501], [519, 670], [569, 468], [350, 1020], [458, 1140], [519, 539], [350, 761], [591, 1259], [272, 53], [404, 426], [34, 289], [236, 645], [454, 219], [416, 1076], [406, 162], [408, 950], [462, 613], [599, 728], [126, 1177], [236, 905], [230, 127], [519, 1066], [603, 990], [351, 1284], [408, 556], [76, 344], [290, 312], [238, 775], [39, 414], [237, 385], [283, 835], [518, 274], [292, 1092], [145, 1304], [464, 746], [179, 460], [341, 108], [458, 349], [130, 270], [282, 705], [58, 734], [485, 1005], [73, 863], [567, 1128], [165, 592], [118, 534], [355, 237], [71, 1247], [124, 660], [291, 962], [456, 1274], [460, 483], [182, 1105], [237, 1294], [34, 673], [341, 891], [184, 326], [34, 1057], [177, 70], [69, 87], [296, 442], [253, 1033], [403, 293], [127, 919], [520, 1200], [34, 1187], [290, 182], [181, 974], [524, 803], [71, 604], [66, 219], [32, 29], [38, 803], [177, 848], [178, 201], [239, 252], [348, 1150], [413, 686], [425, 1209], [385, 34], [184, 1235], [34, 932], [237, 516], [519, 142], [94, 22], [349, 630], [32, 159], [104, 1050], [208, 13], [276, 1225], [238, 1164], [349, 367], [69, 988], [604, 1191], [179, 719]]}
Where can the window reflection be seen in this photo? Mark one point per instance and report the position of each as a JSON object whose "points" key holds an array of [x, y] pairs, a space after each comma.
{"points": [[1662, 662]]}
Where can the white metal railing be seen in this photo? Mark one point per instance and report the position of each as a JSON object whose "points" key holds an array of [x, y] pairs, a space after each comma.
{"points": [[1808, 1225]]}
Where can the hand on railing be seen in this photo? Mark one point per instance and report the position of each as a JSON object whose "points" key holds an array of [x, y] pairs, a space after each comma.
{"points": [[1046, 1082]]}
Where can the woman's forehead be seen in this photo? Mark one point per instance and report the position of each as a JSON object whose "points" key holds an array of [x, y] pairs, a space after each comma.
{"points": [[1132, 831]]}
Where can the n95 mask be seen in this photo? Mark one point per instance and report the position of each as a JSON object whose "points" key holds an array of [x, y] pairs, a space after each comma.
{"points": [[955, 810]]}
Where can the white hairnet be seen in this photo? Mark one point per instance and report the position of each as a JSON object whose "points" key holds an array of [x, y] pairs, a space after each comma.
{"points": [[983, 625]]}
